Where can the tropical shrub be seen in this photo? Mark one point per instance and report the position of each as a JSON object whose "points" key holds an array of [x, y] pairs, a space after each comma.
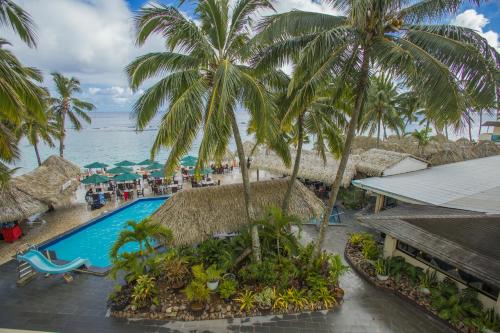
{"points": [[265, 298], [369, 249], [197, 291], [246, 300], [382, 267], [174, 270], [216, 252], [428, 279], [213, 274], [145, 291], [323, 296], [227, 288], [488, 319], [265, 272]]}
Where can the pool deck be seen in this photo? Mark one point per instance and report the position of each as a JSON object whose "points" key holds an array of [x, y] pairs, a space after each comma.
{"points": [[49, 304]]}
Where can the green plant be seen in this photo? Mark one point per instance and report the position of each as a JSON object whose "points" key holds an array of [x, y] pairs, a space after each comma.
{"points": [[428, 279], [323, 296], [246, 300], [315, 281], [145, 291], [413, 273], [369, 249], [397, 267], [173, 269], [356, 239], [382, 267], [197, 292], [336, 268], [264, 272], [227, 288], [297, 298], [488, 319], [216, 252], [199, 273], [265, 298], [213, 274], [282, 301]]}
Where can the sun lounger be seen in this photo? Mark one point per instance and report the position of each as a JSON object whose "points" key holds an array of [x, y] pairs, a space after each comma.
{"points": [[43, 265]]}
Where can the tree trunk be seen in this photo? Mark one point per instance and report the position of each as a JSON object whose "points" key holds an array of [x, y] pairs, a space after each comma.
{"points": [[35, 145], [378, 132], [361, 89], [446, 131], [480, 123], [246, 188], [469, 123], [385, 132], [296, 166], [62, 134]]}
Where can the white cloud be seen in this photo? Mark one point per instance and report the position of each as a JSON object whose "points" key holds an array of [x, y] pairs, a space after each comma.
{"points": [[472, 19]]}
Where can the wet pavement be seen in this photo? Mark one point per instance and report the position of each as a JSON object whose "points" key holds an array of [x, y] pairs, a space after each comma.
{"points": [[49, 304]]}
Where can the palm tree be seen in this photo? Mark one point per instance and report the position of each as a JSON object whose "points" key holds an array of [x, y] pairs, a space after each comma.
{"points": [[387, 35], [66, 105], [203, 78], [410, 105], [19, 20], [37, 131], [144, 233], [382, 108], [423, 138]]}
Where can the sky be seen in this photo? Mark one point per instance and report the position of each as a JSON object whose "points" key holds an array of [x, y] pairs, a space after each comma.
{"points": [[93, 40]]}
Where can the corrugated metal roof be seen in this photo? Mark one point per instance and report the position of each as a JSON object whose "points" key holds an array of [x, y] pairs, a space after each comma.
{"points": [[472, 185]]}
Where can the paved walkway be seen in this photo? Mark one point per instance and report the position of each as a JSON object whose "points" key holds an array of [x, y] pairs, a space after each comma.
{"points": [[49, 304]]}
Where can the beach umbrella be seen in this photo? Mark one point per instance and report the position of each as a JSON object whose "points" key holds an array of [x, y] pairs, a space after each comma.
{"points": [[96, 165], [189, 158], [125, 163], [205, 171], [127, 177], [147, 162], [118, 170], [95, 179], [155, 166], [189, 163]]}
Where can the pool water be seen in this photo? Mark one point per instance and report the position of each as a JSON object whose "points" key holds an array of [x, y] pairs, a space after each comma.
{"points": [[95, 240]]}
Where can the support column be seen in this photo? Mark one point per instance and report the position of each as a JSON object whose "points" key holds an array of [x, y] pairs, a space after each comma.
{"points": [[389, 246], [379, 203], [257, 174]]}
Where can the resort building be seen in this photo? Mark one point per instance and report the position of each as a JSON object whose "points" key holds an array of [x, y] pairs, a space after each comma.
{"points": [[491, 135], [459, 245]]}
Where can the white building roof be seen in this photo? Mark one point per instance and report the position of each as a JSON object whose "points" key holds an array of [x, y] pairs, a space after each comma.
{"points": [[472, 185]]}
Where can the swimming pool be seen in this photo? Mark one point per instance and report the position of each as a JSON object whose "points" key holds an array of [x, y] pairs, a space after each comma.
{"points": [[94, 240]]}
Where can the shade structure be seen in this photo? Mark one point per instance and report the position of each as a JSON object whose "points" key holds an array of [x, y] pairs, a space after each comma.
{"points": [[205, 171], [125, 163], [189, 158], [95, 179], [119, 170], [189, 163], [127, 177], [96, 165], [147, 162], [155, 166], [194, 215]]}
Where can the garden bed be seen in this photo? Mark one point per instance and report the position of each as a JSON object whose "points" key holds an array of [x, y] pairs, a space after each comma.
{"points": [[408, 285]]}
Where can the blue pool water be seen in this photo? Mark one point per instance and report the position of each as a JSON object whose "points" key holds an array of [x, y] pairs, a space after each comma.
{"points": [[95, 240]]}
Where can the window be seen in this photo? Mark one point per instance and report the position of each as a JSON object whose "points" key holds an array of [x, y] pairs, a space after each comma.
{"points": [[450, 270]]}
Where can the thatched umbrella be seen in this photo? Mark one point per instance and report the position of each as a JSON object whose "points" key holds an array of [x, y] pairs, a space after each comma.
{"points": [[53, 183], [312, 166], [16, 204], [194, 215]]}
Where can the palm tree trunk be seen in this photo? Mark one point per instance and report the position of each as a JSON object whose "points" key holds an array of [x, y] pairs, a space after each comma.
{"points": [[296, 166], [62, 134], [35, 145], [480, 123], [378, 132], [385, 132], [361, 89], [469, 123], [246, 188], [446, 131]]}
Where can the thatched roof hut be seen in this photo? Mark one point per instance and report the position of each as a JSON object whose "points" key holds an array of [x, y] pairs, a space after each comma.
{"points": [[311, 167], [52, 183], [194, 215], [378, 162], [16, 204]]}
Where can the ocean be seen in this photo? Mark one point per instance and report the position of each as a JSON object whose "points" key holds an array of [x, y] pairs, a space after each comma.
{"points": [[110, 138]]}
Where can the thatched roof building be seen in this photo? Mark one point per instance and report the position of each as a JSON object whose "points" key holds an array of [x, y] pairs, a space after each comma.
{"points": [[311, 167], [195, 215], [378, 162], [52, 183], [16, 205]]}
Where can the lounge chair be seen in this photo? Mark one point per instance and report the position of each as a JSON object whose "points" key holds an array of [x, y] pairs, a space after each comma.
{"points": [[43, 265]]}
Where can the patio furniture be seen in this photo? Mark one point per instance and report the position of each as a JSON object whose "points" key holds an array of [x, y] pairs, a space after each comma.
{"points": [[43, 265]]}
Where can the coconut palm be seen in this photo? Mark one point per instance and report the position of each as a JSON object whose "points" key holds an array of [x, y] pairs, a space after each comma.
{"points": [[37, 131], [392, 36], [144, 233], [203, 78], [66, 105], [19, 20], [382, 108]]}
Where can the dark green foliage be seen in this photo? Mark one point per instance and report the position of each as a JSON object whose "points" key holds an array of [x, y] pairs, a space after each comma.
{"points": [[227, 288]]}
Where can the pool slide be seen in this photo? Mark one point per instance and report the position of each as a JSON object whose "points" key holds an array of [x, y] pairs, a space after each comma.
{"points": [[43, 265]]}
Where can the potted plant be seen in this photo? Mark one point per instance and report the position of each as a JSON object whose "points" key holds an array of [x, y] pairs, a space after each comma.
{"points": [[428, 280], [213, 276], [227, 289], [197, 294], [265, 298], [382, 269]]}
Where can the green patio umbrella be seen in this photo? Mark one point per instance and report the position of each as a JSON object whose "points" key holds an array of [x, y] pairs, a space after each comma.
{"points": [[147, 162], [118, 170], [127, 177], [189, 158], [189, 163], [125, 163], [96, 165], [155, 166], [95, 179], [205, 171]]}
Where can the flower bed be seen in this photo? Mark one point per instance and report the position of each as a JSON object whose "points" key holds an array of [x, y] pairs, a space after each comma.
{"points": [[218, 278], [460, 310]]}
